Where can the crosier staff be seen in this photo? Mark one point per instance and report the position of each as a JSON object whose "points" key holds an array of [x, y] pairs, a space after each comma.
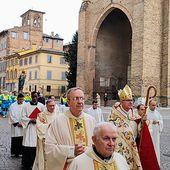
{"points": [[148, 95], [146, 149]]}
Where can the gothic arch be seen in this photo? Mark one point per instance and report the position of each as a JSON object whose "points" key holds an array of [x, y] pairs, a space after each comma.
{"points": [[102, 17], [113, 30]]}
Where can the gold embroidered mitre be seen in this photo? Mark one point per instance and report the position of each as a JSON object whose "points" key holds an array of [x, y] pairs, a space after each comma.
{"points": [[125, 94]]}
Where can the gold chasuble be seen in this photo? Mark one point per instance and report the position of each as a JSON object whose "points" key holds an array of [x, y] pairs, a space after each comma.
{"points": [[79, 132], [125, 143]]}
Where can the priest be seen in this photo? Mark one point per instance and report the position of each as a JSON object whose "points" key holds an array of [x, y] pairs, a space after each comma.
{"points": [[101, 155], [70, 133], [96, 112], [43, 120], [28, 121], [155, 124]]}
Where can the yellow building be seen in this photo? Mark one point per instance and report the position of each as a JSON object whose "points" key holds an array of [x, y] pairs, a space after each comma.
{"points": [[27, 48], [45, 71], [12, 72]]}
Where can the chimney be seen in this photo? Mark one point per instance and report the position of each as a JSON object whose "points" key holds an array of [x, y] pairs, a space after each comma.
{"points": [[52, 34]]}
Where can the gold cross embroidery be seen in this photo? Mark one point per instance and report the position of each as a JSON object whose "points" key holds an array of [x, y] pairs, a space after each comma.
{"points": [[78, 130]]}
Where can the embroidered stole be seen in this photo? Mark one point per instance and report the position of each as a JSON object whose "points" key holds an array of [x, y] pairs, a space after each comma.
{"points": [[109, 166], [126, 139], [79, 132], [100, 164]]}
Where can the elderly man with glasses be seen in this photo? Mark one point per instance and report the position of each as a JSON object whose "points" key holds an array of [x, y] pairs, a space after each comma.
{"points": [[126, 122], [70, 133]]}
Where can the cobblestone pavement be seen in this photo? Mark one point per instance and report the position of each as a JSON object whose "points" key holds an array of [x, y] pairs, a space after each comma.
{"points": [[6, 161], [9, 163]]}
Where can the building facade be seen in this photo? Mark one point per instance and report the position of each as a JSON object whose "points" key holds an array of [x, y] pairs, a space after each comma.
{"points": [[45, 71], [27, 48], [124, 42]]}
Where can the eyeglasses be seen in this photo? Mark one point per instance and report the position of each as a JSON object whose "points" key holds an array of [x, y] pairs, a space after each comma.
{"points": [[78, 98]]}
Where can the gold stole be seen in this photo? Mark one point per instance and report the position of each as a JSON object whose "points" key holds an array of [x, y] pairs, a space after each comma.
{"points": [[109, 166], [79, 132]]}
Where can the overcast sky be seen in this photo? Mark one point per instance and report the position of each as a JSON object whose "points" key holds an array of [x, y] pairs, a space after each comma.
{"points": [[61, 16]]}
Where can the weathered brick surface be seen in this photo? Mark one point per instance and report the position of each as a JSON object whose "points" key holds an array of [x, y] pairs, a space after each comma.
{"points": [[149, 62]]}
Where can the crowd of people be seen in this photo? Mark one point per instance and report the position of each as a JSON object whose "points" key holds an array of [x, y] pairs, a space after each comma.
{"points": [[53, 137], [7, 98]]}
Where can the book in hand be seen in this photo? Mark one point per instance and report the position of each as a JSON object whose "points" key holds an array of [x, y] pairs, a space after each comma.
{"points": [[34, 114]]}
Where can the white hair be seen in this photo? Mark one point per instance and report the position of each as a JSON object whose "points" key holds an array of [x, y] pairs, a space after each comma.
{"points": [[98, 127]]}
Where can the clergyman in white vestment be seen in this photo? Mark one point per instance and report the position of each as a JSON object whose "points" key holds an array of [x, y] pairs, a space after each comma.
{"points": [[43, 121], [155, 126], [96, 112], [29, 130], [16, 127], [101, 155], [70, 133]]}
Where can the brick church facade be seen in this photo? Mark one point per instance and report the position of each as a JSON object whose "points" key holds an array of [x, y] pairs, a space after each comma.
{"points": [[124, 42]]}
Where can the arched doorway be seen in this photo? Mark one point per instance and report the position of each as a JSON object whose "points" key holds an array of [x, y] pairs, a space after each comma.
{"points": [[113, 54]]}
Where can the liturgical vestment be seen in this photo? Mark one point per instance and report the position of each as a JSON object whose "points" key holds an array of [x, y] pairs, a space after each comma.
{"points": [[90, 161], [62, 135], [125, 143], [155, 130], [43, 121]]}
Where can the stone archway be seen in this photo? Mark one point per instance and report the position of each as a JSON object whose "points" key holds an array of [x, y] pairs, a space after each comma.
{"points": [[112, 53]]}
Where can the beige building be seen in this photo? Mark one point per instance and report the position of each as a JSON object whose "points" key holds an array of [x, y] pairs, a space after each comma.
{"points": [[12, 72], [123, 42], [22, 45], [45, 71]]}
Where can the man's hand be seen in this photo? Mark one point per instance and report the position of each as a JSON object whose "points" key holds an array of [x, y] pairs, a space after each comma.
{"points": [[19, 125], [43, 120], [33, 121], [155, 122], [79, 149], [144, 117]]}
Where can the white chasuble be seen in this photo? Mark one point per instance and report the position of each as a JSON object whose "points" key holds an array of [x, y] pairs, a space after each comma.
{"points": [[62, 135], [90, 161]]}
